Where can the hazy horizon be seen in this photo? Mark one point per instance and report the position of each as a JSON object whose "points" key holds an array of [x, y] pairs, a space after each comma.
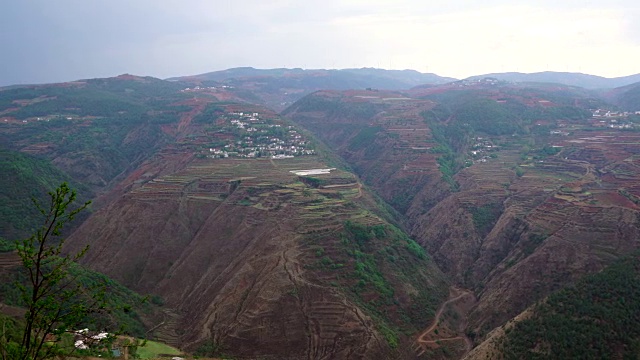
{"points": [[68, 40]]}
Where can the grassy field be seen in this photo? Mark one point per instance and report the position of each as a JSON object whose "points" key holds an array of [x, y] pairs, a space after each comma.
{"points": [[154, 350]]}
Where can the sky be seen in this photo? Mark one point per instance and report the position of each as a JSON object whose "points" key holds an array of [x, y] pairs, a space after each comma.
{"points": [[44, 41]]}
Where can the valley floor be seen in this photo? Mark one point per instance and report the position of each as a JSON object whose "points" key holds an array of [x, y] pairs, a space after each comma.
{"points": [[447, 327]]}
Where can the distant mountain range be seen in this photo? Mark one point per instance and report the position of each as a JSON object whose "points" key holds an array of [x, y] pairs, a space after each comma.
{"points": [[574, 79], [279, 88], [343, 78]]}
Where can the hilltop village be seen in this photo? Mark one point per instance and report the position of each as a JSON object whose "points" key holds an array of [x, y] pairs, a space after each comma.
{"points": [[249, 135]]}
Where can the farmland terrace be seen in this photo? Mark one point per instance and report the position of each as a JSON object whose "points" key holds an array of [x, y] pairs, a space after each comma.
{"points": [[545, 214], [254, 243], [535, 207], [386, 141]]}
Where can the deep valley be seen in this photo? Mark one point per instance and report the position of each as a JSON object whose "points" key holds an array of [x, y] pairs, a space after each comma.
{"points": [[278, 217]]}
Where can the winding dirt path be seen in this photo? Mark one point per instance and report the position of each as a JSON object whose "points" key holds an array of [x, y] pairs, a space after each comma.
{"points": [[422, 342]]}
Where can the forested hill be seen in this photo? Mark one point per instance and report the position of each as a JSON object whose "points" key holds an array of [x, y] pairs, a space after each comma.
{"points": [[86, 133], [25, 177], [597, 318]]}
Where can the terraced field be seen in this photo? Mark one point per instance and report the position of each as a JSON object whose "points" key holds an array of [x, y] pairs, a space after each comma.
{"points": [[390, 147], [9, 260], [532, 212], [265, 259], [563, 215], [268, 183]]}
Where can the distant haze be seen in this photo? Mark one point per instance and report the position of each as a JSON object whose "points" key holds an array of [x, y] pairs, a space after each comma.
{"points": [[50, 41]]}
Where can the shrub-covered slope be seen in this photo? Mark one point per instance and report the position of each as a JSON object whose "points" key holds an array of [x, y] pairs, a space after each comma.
{"points": [[597, 318]]}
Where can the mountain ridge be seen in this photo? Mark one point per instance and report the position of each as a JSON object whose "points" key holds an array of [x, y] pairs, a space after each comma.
{"points": [[586, 81], [408, 76]]}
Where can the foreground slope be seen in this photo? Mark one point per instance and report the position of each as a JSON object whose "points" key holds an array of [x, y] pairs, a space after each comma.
{"points": [[197, 204], [128, 311], [256, 260]]}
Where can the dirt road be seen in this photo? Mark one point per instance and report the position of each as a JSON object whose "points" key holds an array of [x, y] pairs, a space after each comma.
{"points": [[422, 342]]}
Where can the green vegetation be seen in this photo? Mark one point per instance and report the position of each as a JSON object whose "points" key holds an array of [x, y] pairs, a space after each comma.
{"points": [[56, 292], [98, 97], [209, 115], [11, 333], [94, 130], [6, 245], [336, 108], [488, 116], [312, 181], [153, 350], [110, 144], [381, 256], [454, 124], [548, 150], [529, 114], [452, 139], [629, 98], [404, 195], [484, 217], [534, 240], [509, 116], [364, 138], [519, 171], [461, 115], [24, 177], [633, 198], [126, 307], [449, 167], [52, 295], [597, 318]]}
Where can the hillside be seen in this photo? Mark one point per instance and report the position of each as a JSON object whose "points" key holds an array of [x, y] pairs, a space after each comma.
{"points": [[92, 130], [515, 191], [200, 201], [382, 135], [234, 238], [626, 97], [573, 79], [128, 312], [595, 318], [19, 215]]}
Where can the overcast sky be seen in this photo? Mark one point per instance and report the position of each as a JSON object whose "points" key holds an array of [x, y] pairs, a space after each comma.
{"points": [[60, 40]]}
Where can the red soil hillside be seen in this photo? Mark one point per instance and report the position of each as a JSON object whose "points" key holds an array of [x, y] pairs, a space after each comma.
{"points": [[254, 260], [531, 211]]}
